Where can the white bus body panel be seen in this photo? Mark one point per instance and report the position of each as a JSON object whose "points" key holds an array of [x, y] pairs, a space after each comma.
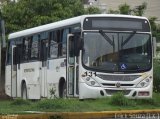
{"points": [[31, 75], [43, 81], [56, 69]]}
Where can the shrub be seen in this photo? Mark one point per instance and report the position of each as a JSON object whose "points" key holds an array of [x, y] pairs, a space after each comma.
{"points": [[156, 76], [119, 99], [51, 104]]}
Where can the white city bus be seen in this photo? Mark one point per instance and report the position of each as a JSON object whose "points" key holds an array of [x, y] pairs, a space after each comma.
{"points": [[89, 56]]}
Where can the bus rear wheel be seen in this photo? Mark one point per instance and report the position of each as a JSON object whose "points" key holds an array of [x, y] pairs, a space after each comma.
{"points": [[24, 91]]}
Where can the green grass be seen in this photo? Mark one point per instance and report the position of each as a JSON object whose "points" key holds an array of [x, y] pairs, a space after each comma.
{"points": [[120, 100], [19, 106]]}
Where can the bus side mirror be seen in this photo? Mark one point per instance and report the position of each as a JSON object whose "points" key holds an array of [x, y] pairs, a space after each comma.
{"points": [[154, 46]]}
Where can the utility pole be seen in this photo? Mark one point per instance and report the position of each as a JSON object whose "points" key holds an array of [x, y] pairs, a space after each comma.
{"points": [[0, 57], [2, 45]]}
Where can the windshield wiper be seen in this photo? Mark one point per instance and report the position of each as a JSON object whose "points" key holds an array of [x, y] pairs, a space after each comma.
{"points": [[128, 39], [106, 37]]}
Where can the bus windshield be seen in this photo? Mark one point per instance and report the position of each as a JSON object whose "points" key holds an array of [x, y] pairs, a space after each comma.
{"points": [[117, 51]]}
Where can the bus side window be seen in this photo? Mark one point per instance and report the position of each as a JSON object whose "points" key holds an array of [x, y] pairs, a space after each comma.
{"points": [[35, 48], [64, 42], [44, 46], [75, 28], [59, 37], [19, 45], [53, 45], [26, 48]]}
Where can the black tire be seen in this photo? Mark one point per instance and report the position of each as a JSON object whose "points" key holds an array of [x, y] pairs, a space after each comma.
{"points": [[24, 92], [63, 91]]}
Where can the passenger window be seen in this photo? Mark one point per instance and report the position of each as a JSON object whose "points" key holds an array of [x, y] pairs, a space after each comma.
{"points": [[19, 41], [19, 45], [53, 50], [75, 28], [64, 42], [44, 45], [35, 47], [26, 49]]}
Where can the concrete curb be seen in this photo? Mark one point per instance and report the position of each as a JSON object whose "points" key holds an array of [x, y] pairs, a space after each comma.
{"points": [[89, 115]]}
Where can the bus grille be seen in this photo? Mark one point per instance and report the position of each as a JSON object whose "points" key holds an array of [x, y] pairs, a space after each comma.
{"points": [[113, 84], [111, 92], [118, 77]]}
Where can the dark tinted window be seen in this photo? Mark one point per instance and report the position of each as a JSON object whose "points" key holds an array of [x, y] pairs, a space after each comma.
{"points": [[64, 42], [35, 47], [53, 44], [44, 46], [26, 48]]}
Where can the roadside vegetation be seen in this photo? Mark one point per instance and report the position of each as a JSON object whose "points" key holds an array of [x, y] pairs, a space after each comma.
{"points": [[116, 102], [156, 76]]}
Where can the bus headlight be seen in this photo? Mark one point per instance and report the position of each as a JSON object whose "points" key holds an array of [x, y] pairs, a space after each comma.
{"points": [[91, 82], [144, 83]]}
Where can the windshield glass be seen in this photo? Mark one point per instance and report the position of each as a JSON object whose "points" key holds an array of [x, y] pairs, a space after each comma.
{"points": [[117, 52]]}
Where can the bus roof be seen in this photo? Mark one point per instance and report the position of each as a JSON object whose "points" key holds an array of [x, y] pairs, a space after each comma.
{"points": [[62, 23]]}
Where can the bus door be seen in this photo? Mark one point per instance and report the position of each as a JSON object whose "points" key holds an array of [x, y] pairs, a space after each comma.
{"points": [[43, 73], [72, 68], [14, 71]]}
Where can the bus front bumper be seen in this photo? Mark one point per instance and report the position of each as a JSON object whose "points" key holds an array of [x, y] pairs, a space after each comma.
{"points": [[89, 92]]}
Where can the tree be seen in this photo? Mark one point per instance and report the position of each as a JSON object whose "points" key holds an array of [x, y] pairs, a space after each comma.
{"points": [[124, 9], [30, 13], [110, 11], [92, 10], [4, 1], [158, 33], [153, 23], [155, 28], [139, 10]]}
